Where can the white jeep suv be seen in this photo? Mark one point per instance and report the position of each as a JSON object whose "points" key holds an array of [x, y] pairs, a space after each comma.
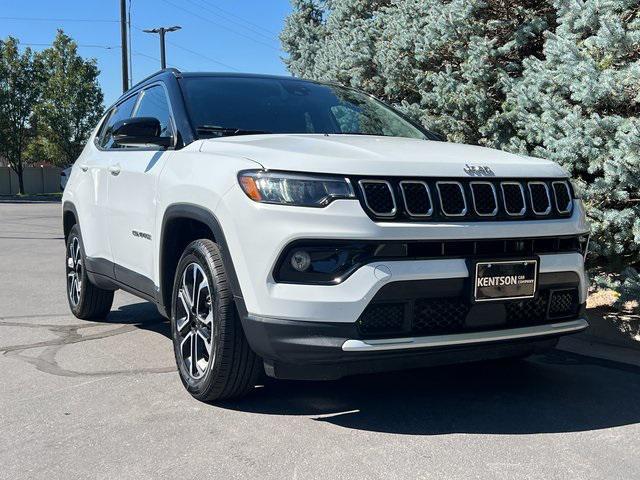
{"points": [[309, 231]]}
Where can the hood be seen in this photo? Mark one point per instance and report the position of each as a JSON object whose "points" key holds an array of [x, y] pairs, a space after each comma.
{"points": [[369, 155]]}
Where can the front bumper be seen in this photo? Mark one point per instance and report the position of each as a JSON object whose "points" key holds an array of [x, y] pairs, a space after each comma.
{"points": [[256, 235], [327, 351]]}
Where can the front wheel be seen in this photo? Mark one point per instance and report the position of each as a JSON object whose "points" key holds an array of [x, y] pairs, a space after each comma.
{"points": [[86, 300], [214, 359]]}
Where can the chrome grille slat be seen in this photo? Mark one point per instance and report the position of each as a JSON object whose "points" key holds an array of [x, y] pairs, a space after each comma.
{"points": [[561, 189], [539, 194], [480, 204], [374, 197], [449, 204], [410, 203], [510, 201]]}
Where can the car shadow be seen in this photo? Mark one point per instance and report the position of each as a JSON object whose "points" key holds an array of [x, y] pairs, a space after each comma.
{"points": [[143, 315], [550, 393]]}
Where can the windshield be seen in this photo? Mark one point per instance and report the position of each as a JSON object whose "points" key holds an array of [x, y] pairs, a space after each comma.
{"points": [[222, 106]]}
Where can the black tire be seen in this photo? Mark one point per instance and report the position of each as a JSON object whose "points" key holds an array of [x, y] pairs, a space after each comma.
{"points": [[232, 369], [86, 300]]}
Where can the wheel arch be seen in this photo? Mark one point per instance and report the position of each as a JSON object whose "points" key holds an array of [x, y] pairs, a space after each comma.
{"points": [[181, 224], [69, 218]]}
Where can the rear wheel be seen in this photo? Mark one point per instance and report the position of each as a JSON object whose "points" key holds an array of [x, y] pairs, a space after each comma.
{"points": [[214, 359], [86, 300]]}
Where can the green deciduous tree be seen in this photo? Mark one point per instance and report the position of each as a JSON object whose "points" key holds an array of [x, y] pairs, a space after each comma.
{"points": [[71, 103], [20, 90]]}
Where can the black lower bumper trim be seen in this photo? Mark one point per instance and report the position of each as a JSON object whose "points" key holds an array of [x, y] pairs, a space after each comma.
{"points": [[301, 350]]}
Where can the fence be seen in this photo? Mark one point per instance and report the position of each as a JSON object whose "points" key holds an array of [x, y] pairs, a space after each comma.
{"points": [[36, 180]]}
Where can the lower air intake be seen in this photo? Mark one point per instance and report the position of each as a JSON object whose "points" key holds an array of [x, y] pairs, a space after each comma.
{"points": [[442, 316], [382, 319]]}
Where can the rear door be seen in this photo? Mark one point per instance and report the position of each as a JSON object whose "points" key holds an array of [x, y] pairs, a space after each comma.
{"points": [[133, 180]]}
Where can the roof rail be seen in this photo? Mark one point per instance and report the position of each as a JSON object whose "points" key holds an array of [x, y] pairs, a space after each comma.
{"points": [[166, 70]]}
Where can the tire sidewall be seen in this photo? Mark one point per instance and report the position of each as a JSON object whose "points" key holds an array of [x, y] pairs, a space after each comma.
{"points": [[197, 253]]}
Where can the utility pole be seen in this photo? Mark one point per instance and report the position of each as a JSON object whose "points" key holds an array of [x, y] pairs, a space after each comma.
{"points": [[123, 43], [162, 31]]}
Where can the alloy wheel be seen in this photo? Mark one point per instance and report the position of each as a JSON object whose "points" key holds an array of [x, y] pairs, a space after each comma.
{"points": [[194, 321], [74, 271]]}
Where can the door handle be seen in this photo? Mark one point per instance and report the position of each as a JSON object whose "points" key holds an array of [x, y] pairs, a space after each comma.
{"points": [[115, 169]]}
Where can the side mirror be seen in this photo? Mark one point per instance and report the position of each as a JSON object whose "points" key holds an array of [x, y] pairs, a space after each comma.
{"points": [[139, 132]]}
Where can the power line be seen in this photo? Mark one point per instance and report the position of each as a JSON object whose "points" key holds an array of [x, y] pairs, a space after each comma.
{"points": [[140, 54], [42, 19], [82, 45], [267, 37], [230, 14], [202, 56], [219, 25], [193, 52]]}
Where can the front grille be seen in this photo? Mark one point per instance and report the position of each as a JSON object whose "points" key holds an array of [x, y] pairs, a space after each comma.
{"points": [[452, 200], [514, 200], [451, 315], [417, 198], [563, 196], [485, 200], [378, 196], [540, 201], [406, 199]]}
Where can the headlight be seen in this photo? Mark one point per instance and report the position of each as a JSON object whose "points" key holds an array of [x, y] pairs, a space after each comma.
{"points": [[294, 188]]}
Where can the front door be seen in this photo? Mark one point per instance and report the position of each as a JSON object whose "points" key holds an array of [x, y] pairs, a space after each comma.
{"points": [[133, 180]]}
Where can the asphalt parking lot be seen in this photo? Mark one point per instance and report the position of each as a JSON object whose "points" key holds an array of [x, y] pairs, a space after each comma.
{"points": [[103, 400]]}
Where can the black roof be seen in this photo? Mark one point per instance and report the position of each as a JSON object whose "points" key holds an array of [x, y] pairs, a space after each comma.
{"points": [[177, 73]]}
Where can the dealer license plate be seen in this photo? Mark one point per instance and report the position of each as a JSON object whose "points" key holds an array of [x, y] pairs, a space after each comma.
{"points": [[505, 280]]}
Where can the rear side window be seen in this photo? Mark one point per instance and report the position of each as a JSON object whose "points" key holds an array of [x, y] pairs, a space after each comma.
{"points": [[119, 112], [154, 103]]}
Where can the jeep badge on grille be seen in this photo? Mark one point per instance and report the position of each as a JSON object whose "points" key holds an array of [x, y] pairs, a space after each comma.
{"points": [[478, 170]]}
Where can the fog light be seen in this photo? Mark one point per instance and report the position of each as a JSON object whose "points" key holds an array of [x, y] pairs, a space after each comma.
{"points": [[300, 260]]}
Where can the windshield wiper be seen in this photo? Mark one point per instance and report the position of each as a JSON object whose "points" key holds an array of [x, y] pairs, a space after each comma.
{"points": [[217, 131]]}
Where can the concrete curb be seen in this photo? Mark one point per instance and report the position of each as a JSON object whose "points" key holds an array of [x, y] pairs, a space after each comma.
{"points": [[30, 199]]}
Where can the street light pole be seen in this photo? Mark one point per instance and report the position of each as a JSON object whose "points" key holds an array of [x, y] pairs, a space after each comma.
{"points": [[161, 31]]}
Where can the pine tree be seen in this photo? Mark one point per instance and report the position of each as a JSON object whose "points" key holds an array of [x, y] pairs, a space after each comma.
{"points": [[559, 79], [579, 105]]}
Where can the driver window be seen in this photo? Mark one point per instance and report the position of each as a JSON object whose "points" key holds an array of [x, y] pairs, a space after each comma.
{"points": [[154, 104], [119, 112]]}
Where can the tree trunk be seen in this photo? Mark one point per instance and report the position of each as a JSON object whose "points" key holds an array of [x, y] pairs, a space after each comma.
{"points": [[19, 171]]}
